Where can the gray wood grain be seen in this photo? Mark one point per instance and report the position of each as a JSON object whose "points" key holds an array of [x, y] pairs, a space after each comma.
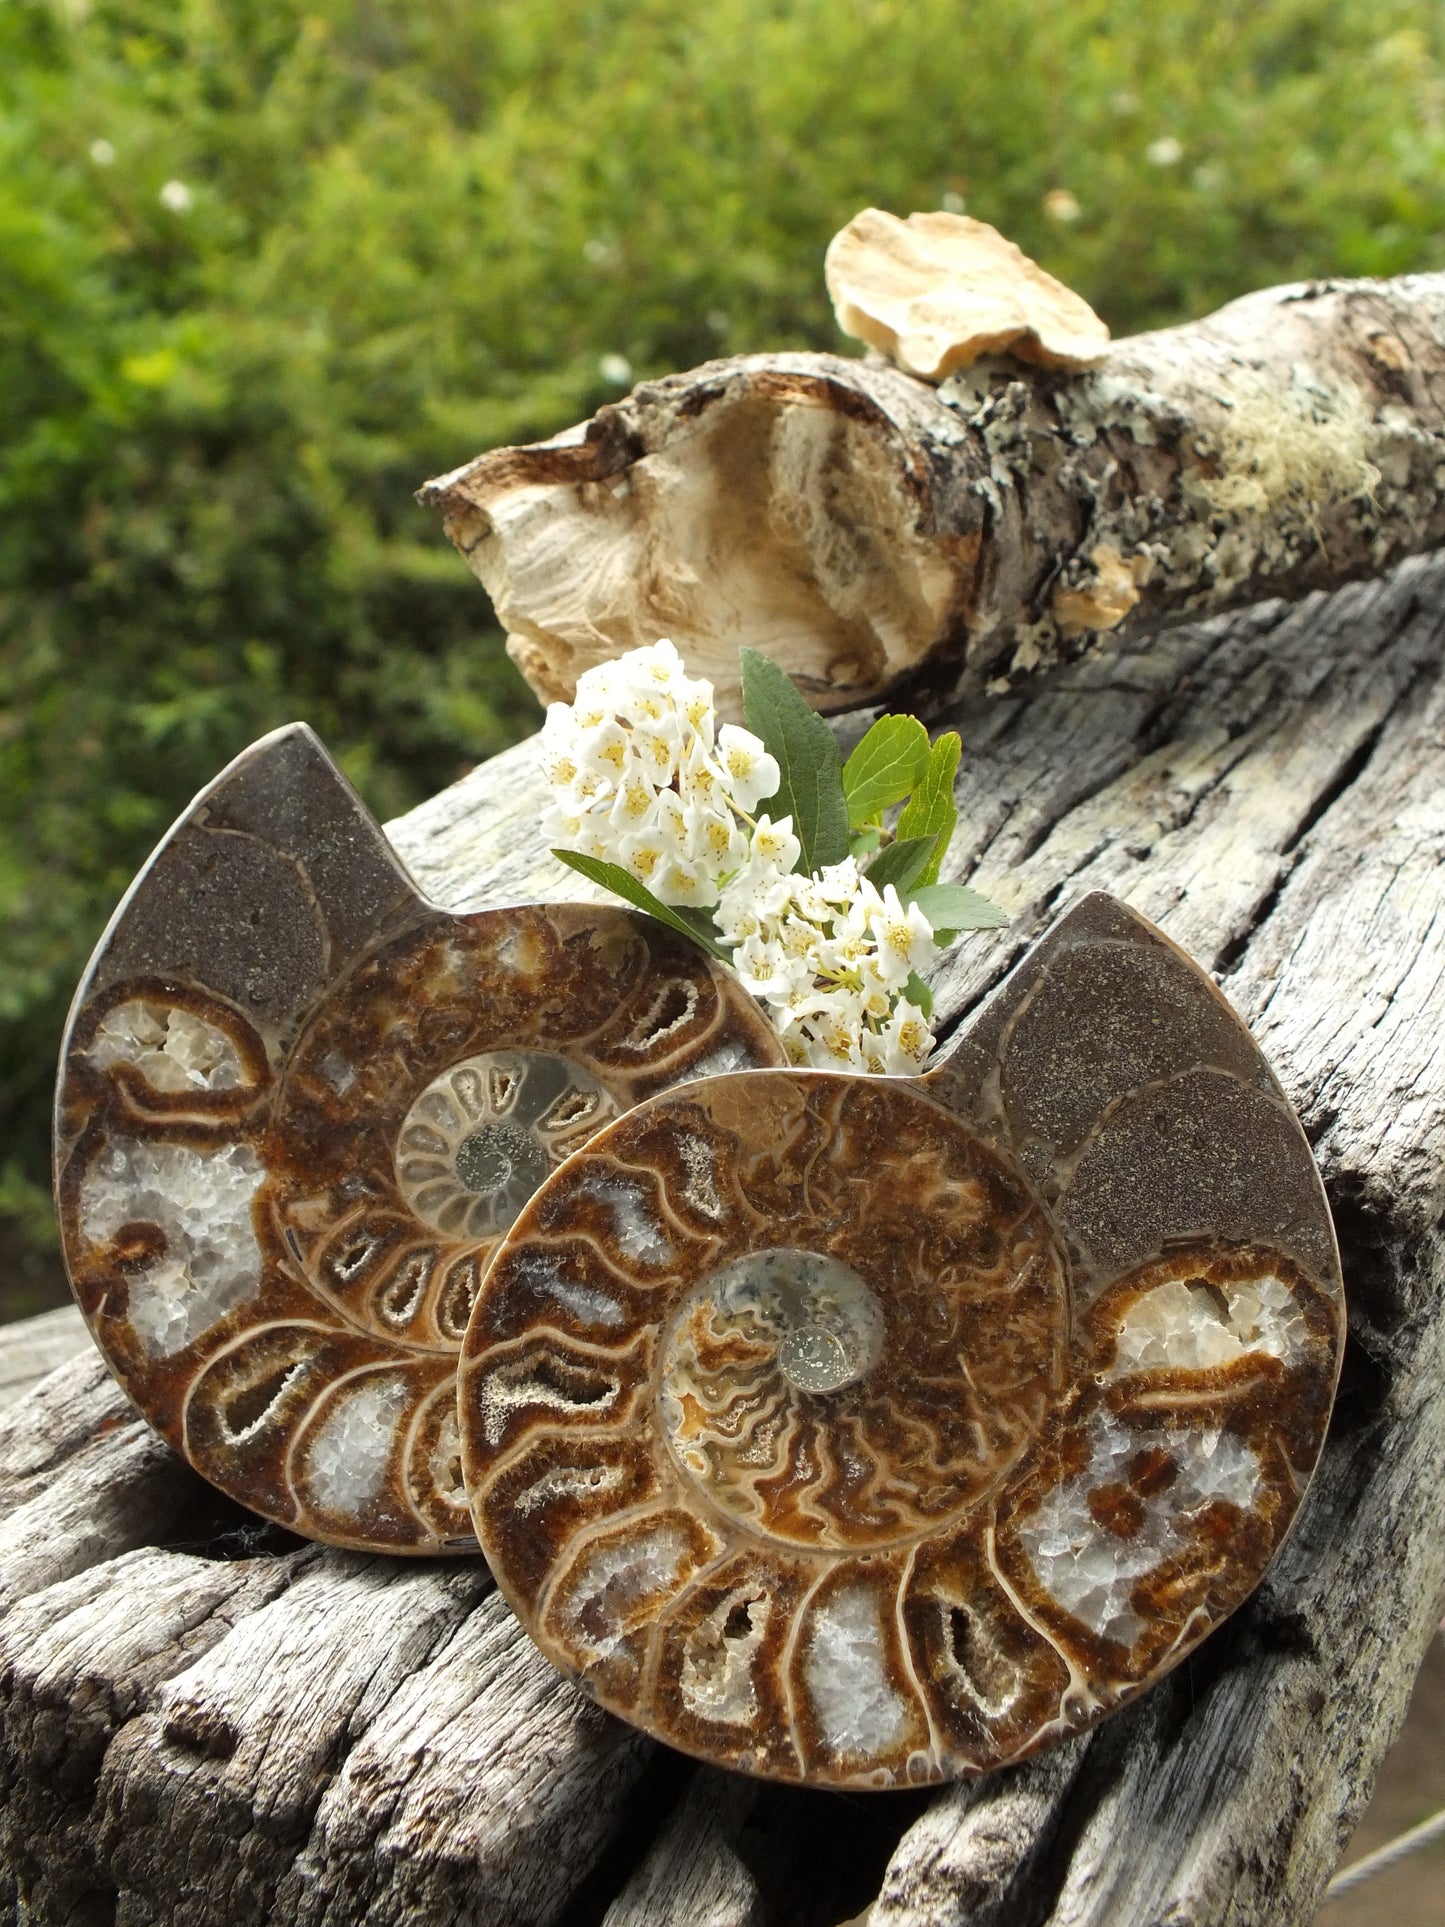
{"points": [[34, 1346], [201, 1720]]}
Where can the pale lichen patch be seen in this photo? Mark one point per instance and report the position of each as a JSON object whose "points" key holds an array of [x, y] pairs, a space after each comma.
{"points": [[1301, 446]]}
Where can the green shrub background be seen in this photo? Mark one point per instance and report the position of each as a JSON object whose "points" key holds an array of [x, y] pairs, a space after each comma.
{"points": [[418, 228]]}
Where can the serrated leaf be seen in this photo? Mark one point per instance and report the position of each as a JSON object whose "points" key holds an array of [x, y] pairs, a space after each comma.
{"points": [[623, 884], [931, 810], [902, 864], [951, 907], [918, 993], [885, 767], [811, 790]]}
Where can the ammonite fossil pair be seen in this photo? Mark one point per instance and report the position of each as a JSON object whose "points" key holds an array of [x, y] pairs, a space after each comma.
{"points": [[857, 1430]]}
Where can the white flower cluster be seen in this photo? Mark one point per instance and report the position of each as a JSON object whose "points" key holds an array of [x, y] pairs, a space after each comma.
{"points": [[830, 958], [642, 776]]}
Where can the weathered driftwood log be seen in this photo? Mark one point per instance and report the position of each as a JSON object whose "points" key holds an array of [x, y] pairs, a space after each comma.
{"points": [[204, 1721], [881, 536]]}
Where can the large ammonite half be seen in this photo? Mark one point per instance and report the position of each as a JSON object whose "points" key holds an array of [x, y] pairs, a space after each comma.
{"points": [[874, 1431], [298, 1106]]}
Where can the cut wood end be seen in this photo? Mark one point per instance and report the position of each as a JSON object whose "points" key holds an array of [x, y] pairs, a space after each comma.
{"points": [[938, 290], [777, 509]]}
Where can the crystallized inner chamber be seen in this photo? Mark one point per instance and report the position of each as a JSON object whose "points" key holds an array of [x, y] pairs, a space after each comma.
{"points": [[298, 1107], [875, 1431]]}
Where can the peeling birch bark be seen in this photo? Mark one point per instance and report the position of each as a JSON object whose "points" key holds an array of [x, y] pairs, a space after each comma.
{"points": [[202, 1720], [885, 538]]}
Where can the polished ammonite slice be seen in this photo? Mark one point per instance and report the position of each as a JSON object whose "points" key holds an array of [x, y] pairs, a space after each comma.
{"points": [[874, 1431], [298, 1106]]}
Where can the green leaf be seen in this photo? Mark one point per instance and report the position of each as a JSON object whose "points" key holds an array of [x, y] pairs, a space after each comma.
{"points": [[951, 907], [885, 767], [931, 810], [917, 992], [623, 884], [865, 842], [811, 790], [903, 864]]}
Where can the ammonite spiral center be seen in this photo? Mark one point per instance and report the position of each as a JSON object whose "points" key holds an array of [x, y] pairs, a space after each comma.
{"points": [[481, 1137], [848, 1386], [818, 1319], [822, 1407], [489, 1159]]}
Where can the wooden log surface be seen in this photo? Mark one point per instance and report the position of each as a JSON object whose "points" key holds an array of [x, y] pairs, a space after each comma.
{"points": [[204, 1720], [33, 1347]]}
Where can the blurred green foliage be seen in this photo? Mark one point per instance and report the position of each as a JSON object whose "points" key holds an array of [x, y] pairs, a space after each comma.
{"points": [[265, 265]]}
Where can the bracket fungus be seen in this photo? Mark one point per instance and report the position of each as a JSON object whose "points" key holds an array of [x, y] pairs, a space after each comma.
{"points": [[938, 290], [298, 1106], [877, 1431]]}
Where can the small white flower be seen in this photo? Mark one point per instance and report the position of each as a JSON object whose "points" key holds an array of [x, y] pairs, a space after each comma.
{"points": [[752, 774], [606, 750], [805, 899], [177, 197], [774, 844], [647, 855], [876, 996], [1165, 152], [633, 805], [905, 938], [699, 779], [767, 971], [695, 701], [657, 663], [565, 829], [902, 1047], [102, 153], [686, 881], [832, 1028], [617, 369], [715, 840], [656, 754], [559, 746]]}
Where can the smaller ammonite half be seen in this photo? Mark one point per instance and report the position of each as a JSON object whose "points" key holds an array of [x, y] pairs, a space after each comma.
{"points": [[874, 1431], [298, 1106]]}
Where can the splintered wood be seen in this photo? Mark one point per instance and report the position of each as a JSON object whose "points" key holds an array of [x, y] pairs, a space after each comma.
{"points": [[206, 1721]]}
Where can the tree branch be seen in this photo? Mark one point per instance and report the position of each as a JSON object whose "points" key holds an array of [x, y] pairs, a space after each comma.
{"points": [[885, 538]]}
